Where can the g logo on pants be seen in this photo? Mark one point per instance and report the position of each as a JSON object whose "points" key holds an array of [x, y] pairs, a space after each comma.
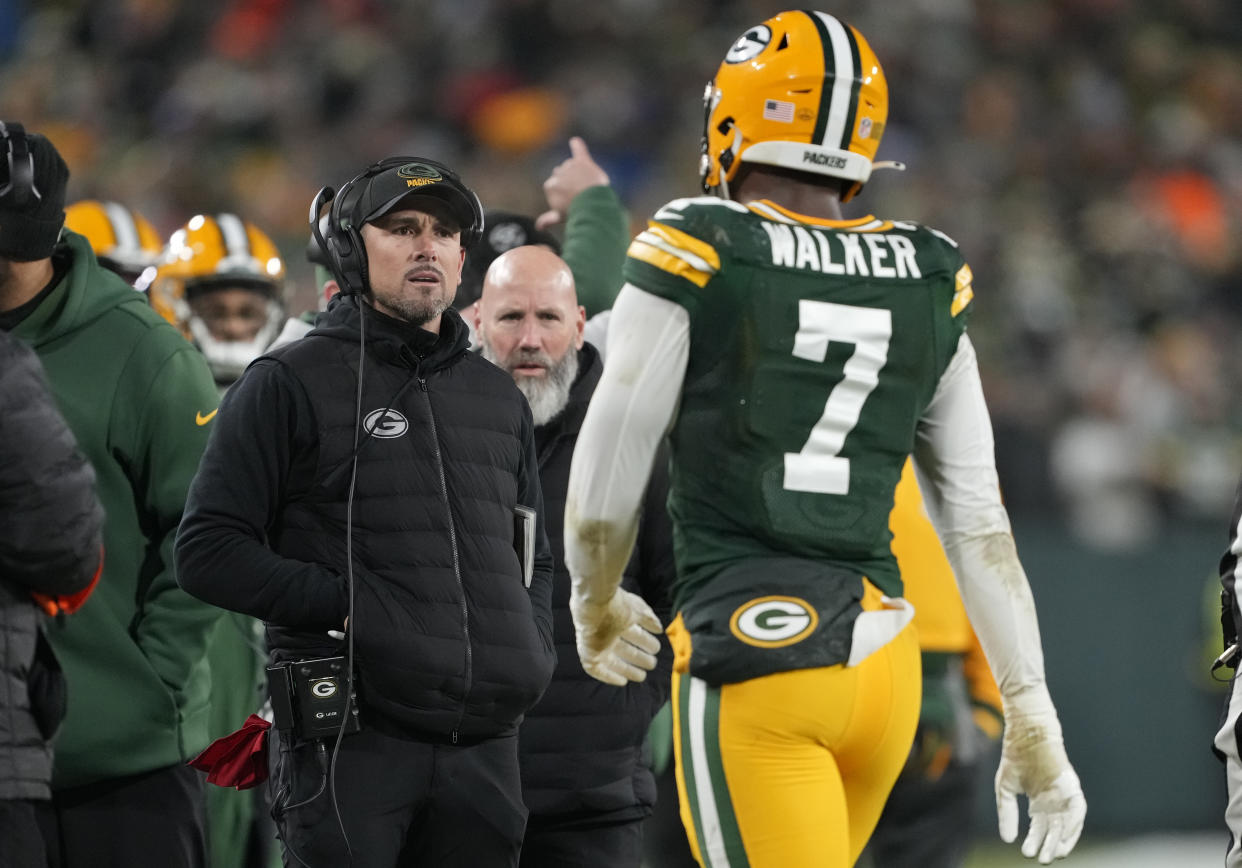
{"points": [[774, 622]]}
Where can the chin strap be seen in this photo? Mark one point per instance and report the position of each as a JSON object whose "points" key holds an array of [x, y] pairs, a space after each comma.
{"points": [[895, 165]]}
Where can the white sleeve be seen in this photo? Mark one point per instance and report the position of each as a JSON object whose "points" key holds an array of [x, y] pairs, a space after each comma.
{"points": [[955, 461], [596, 332], [632, 408]]}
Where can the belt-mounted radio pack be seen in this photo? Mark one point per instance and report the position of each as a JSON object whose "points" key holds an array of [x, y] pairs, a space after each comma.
{"points": [[309, 697]]}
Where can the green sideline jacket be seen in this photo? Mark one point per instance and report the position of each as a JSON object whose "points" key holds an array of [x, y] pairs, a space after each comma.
{"points": [[140, 400]]}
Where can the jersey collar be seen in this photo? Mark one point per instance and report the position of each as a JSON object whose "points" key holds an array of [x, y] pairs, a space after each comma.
{"points": [[768, 208]]}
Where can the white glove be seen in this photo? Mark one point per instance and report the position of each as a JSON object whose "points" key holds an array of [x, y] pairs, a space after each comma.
{"points": [[1033, 761], [617, 640]]}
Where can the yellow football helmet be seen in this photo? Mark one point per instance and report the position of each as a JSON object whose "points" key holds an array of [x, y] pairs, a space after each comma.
{"points": [[802, 91], [210, 254], [123, 240]]}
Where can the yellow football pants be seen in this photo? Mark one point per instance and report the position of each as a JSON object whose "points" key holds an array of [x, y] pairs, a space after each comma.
{"points": [[792, 770]]}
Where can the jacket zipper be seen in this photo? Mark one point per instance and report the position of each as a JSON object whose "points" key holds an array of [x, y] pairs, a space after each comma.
{"points": [[461, 586]]}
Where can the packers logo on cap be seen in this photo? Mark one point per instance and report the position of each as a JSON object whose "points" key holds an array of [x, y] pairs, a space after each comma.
{"points": [[774, 622], [419, 175]]}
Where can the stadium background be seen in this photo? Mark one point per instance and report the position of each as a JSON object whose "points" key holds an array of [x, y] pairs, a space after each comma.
{"points": [[1086, 154]]}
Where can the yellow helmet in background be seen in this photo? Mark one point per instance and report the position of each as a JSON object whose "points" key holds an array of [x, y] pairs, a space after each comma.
{"points": [[123, 240], [210, 263], [801, 91]]}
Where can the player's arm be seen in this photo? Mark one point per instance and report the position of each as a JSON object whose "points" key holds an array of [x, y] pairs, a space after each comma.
{"points": [[985, 698], [648, 340], [956, 463], [597, 229]]}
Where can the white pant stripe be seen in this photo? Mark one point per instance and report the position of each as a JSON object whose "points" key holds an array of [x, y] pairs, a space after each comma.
{"points": [[712, 847], [1227, 743]]}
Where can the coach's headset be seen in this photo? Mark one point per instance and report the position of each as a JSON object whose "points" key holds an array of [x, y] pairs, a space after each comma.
{"points": [[375, 192], [21, 185]]}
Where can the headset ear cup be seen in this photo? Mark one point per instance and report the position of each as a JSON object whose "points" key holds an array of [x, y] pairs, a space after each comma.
{"points": [[360, 261], [21, 183], [343, 245], [344, 258]]}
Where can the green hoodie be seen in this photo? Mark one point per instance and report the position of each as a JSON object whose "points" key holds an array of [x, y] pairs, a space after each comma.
{"points": [[139, 399]]}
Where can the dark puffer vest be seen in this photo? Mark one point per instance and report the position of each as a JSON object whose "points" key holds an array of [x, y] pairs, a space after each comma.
{"points": [[581, 747], [51, 544], [450, 644]]}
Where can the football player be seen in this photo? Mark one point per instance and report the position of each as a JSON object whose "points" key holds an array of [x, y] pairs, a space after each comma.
{"points": [[124, 241], [222, 283], [796, 359]]}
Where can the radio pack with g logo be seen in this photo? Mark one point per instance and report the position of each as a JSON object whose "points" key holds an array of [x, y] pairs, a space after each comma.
{"points": [[310, 697]]}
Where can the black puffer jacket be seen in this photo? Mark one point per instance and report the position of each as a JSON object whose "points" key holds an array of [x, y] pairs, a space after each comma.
{"points": [[581, 747], [51, 544], [449, 642]]}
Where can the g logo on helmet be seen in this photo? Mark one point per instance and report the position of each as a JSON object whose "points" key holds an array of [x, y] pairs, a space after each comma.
{"points": [[386, 423], [750, 44], [774, 622], [324, 688]]}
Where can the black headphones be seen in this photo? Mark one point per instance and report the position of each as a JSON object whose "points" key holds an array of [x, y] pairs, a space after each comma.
{"points": [[20, 186], [340, 238]]}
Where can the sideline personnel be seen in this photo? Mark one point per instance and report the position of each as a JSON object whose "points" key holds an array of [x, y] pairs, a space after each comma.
{"points": [[365, 478], [586, 778]]}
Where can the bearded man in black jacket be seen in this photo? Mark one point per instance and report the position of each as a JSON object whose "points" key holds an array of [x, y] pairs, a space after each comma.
{"points": [[585, 778], [361, 482]]}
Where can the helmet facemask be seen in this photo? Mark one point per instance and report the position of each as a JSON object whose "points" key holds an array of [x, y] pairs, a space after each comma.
{"points": [[217, 253]]}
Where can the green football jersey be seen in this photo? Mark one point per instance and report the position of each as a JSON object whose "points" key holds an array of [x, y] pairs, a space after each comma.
{"points": [[815, 346]]}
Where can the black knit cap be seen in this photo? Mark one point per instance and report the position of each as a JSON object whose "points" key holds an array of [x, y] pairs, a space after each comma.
{"points": [[504, 232], [32, 194]]}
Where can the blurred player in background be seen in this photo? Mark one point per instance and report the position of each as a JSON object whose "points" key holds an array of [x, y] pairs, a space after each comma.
{"points": [[797, 359], [222, 283], [124, 241]]}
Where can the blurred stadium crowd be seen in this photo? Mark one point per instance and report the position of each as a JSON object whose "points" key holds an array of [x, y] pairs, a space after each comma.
{"points": [[1086, 154]]}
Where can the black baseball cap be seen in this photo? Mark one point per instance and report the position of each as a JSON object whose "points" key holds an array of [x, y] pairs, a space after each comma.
{"points": [[383, 187]]}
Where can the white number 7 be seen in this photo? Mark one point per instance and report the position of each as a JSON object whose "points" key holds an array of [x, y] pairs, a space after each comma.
{"points": [[818, 468]]}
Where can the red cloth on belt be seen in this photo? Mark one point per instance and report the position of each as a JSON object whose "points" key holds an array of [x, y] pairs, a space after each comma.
{"points": [[239, 759]]}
